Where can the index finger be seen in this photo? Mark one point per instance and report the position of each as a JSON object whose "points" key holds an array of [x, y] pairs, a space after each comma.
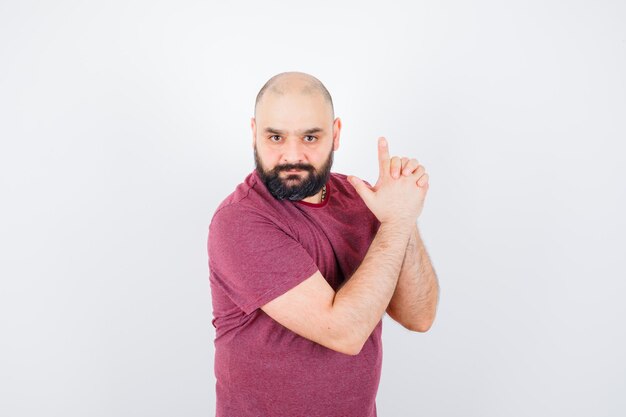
{"points": [[383, 156]]}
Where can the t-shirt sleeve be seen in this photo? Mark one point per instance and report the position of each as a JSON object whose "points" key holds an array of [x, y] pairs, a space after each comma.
{"points": [[253, 259]]}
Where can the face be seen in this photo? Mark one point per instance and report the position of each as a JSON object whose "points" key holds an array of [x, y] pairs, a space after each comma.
{"points": [[294, 138], [294, 181]]}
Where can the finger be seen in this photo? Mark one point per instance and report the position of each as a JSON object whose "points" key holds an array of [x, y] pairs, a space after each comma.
{"points": [[405, 161], [423, 186], [410, 167], [395, 165], [423, 181], [361, 188], [383, 157], [418, 171]]}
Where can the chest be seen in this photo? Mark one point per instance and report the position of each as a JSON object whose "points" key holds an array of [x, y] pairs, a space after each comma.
{"points": [[337, 241]]}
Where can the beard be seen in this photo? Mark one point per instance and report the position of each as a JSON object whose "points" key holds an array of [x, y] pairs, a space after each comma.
{"points": [[294, 186]]}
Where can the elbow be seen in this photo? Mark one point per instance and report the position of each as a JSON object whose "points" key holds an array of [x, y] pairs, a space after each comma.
{"points": [[353, 350], [346, 349], [351, 347], [420, 326], [344, 344], [356, 348], [346, 339]]}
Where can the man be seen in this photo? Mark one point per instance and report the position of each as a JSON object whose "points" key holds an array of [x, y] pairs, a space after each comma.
{"points": [[304, 263]]}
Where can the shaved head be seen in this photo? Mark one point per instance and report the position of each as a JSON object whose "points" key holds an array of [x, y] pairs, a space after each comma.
{"points": [[294, 82], [294, 135]]}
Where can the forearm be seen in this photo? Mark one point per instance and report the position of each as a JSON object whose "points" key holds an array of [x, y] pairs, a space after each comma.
{"points": [[360, 304], [416, 294]]}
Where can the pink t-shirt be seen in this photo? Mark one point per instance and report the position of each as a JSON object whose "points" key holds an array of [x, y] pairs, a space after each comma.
{"points": [[259, 248]]}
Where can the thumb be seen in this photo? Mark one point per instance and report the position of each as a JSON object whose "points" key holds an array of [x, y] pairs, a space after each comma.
{"points": [[361, 188]]}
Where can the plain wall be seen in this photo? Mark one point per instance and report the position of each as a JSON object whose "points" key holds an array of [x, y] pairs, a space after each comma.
{"points": [[123, 124]]}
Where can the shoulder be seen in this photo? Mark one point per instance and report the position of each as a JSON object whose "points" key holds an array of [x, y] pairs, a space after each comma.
{"points": [[343, 179], [249, 196], [240, 194], [342, 187], [348, 200], [339, 183], [250, 207]]}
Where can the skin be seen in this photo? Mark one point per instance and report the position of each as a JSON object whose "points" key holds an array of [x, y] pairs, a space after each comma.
{"points": [[292, 109], [291, 113]]}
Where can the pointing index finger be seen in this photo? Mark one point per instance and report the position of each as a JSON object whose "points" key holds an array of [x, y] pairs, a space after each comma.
{"points": [[383, 156]]}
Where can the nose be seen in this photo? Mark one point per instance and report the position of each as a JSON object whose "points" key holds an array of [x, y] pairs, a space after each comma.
{"points": [[293, 152]]}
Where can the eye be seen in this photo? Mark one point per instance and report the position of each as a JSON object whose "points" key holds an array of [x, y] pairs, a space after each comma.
{"points": [[274, 136], [313, 139]]}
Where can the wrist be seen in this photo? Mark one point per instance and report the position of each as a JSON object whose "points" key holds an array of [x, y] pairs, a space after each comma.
{"points": [[398, 223]]}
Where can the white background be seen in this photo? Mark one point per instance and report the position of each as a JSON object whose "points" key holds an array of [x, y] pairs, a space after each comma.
{"points": [[124, 123]]}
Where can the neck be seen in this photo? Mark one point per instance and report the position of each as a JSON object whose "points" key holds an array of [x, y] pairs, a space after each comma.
{"points": [[315, 199]]}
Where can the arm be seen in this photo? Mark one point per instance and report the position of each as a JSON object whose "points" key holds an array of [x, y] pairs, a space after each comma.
{"points": [[344, 320], [360, 304], [415, 299]]}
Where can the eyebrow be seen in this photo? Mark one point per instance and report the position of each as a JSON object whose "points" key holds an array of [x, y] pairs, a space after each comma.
{"points": [[302, 132]]}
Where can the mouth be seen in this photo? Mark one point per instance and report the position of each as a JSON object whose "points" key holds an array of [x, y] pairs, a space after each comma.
{"points": [[293, 171]]}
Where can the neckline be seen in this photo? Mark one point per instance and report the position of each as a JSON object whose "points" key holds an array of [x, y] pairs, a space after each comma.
{"points": [[323, 203]]}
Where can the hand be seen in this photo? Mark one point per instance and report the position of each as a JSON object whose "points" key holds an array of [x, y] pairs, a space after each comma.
{"points": [[391, 199], [410, 166]]}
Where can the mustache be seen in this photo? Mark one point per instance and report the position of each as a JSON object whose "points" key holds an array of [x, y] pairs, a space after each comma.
{"points": [[287, 167]]}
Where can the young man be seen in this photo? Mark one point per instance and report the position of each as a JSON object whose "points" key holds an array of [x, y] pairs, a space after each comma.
{"points": [[304, 262]]}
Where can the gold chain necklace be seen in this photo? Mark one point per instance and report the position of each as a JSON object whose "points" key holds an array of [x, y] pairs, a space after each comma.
{"points": [[323, 193]]}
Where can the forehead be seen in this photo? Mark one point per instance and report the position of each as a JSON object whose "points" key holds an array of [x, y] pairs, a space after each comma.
{"points": [[293, 111]]}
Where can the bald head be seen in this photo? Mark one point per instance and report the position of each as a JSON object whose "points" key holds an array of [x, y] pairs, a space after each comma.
{"points": [[294, 82]]}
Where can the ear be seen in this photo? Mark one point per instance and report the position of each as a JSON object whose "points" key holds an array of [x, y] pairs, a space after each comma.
{"points": [[336, 133], [253, 126]]}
